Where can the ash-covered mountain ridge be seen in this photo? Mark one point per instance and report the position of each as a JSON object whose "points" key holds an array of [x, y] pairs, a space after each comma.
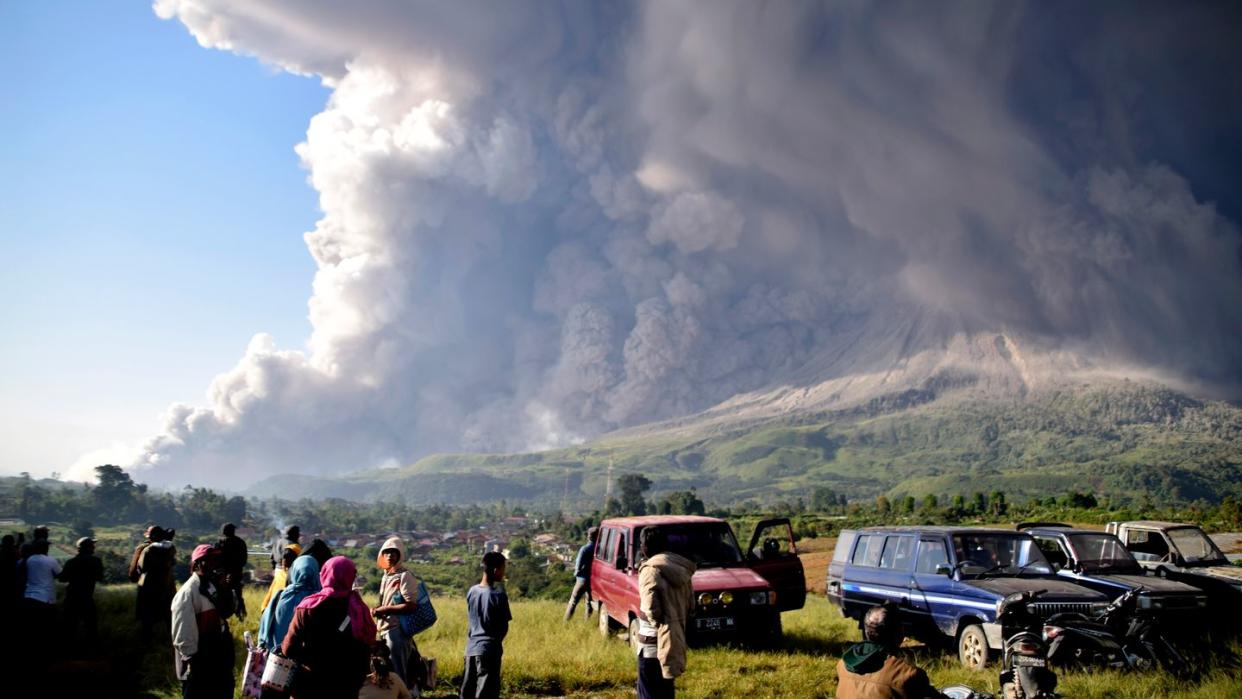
{"points": [[895, 409]]}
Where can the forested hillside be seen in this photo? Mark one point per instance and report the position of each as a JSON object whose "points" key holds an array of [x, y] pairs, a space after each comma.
{"points": [[1124, 441]]}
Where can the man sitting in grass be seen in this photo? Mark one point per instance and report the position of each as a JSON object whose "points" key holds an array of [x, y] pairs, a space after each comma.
{"points": [[870, 670]]}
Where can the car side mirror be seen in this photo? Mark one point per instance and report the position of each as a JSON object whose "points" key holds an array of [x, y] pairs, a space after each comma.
{"points": [[1056, 566], [944, 569]]}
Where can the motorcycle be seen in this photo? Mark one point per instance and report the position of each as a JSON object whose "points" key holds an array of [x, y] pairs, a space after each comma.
{"points": [[1024, 662], [1120, 636]]}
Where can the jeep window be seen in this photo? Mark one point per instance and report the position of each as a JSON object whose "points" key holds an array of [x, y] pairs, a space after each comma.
{"points": [[1194, 545], [999, 554], [622, 561], [1097, 552], [931, 554], [867, 552], [1052, 550], [1146, 545], [897, 552], [605, 549], [845, 542], [709, 545]]}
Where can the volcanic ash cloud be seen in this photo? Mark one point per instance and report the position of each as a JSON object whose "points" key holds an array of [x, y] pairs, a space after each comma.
{"points": [[544, 221]]}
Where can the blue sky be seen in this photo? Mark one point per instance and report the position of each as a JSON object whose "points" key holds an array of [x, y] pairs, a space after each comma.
{"points": [[151, 213]]}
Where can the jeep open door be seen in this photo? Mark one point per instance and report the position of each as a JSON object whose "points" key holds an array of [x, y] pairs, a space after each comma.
{"points": [[773, 555]]}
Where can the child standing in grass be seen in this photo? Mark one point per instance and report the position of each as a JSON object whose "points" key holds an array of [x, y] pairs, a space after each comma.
{"points": [[488, 609]]}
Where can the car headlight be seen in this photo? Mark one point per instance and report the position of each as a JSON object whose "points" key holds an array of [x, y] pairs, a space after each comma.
{"points": [[706, 599], [760, 597], [726, 597]]}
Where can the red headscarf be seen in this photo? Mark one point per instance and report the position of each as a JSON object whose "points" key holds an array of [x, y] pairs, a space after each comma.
{"points": [[337, 577]]}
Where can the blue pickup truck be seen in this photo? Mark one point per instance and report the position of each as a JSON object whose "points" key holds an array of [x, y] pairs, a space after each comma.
{"points": [[947, 581]]}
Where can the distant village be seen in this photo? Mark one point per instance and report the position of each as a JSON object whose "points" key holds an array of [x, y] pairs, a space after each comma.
{"points": [[466, 544]]}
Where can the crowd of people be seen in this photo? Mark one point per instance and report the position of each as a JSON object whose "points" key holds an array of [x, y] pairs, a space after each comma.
{"points": [[312, 616], [315, 620]]}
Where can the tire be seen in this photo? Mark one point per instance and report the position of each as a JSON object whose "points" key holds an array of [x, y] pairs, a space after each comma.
{"points": [[1140, 657], [972, 648], [604, 627], [632, 633]]}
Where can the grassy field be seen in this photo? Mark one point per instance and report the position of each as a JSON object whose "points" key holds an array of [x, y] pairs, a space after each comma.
{"points": [[547, 658]]}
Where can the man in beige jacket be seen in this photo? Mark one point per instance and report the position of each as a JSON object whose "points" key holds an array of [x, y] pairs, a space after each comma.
{"points": [[665, 601]]}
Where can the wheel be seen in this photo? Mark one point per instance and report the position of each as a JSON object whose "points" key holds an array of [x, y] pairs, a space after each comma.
{"points": [[972, 647], [604, 629], [1139, 657], [632, 633]]}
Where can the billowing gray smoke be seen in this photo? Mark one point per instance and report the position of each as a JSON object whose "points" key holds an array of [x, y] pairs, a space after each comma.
{"points": [[543, 221]]}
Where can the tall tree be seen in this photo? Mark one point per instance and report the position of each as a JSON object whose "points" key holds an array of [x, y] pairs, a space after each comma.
{"points": [[978, 503], [115, 494], [632, 487], [681, 502], [907, 505], [823, 499], [882, 505], [996, 501]]}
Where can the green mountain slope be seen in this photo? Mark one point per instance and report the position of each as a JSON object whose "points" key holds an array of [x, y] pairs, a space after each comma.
{"points": [[1120, 439]]}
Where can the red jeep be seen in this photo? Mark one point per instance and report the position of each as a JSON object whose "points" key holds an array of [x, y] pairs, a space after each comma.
{"points": [[737, 594]]}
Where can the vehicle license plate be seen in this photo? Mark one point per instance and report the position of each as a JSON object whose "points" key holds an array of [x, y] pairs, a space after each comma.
{"points": [[1029, 661], [718, 623]]}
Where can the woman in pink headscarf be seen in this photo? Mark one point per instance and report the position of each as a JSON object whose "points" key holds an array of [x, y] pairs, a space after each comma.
{"points": [[331, 636]]}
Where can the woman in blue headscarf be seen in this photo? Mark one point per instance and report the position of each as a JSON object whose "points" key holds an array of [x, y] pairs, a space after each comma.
{"points": [[303, 582]]}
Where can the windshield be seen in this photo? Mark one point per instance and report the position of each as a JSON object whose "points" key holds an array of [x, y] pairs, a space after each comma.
{"points": [[709, 545], [999, 554], [1194, 545], [1102, 552]]}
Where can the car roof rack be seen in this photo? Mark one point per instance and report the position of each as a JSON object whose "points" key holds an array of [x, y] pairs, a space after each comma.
{"points": [[1023, 526]]}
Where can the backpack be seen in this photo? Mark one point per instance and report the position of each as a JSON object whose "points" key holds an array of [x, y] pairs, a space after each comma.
{"points": [[423, 616], [135, 570]]}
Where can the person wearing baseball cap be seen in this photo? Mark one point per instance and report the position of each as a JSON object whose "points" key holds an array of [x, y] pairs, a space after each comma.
{"points": [[82, 572], [202, 643]]}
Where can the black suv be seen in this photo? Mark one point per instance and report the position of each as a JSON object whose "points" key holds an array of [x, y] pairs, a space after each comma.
{"points": [[1101, 562]]}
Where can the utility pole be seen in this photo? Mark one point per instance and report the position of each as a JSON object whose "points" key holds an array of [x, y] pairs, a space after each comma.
{"points": [[608, 486]]}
